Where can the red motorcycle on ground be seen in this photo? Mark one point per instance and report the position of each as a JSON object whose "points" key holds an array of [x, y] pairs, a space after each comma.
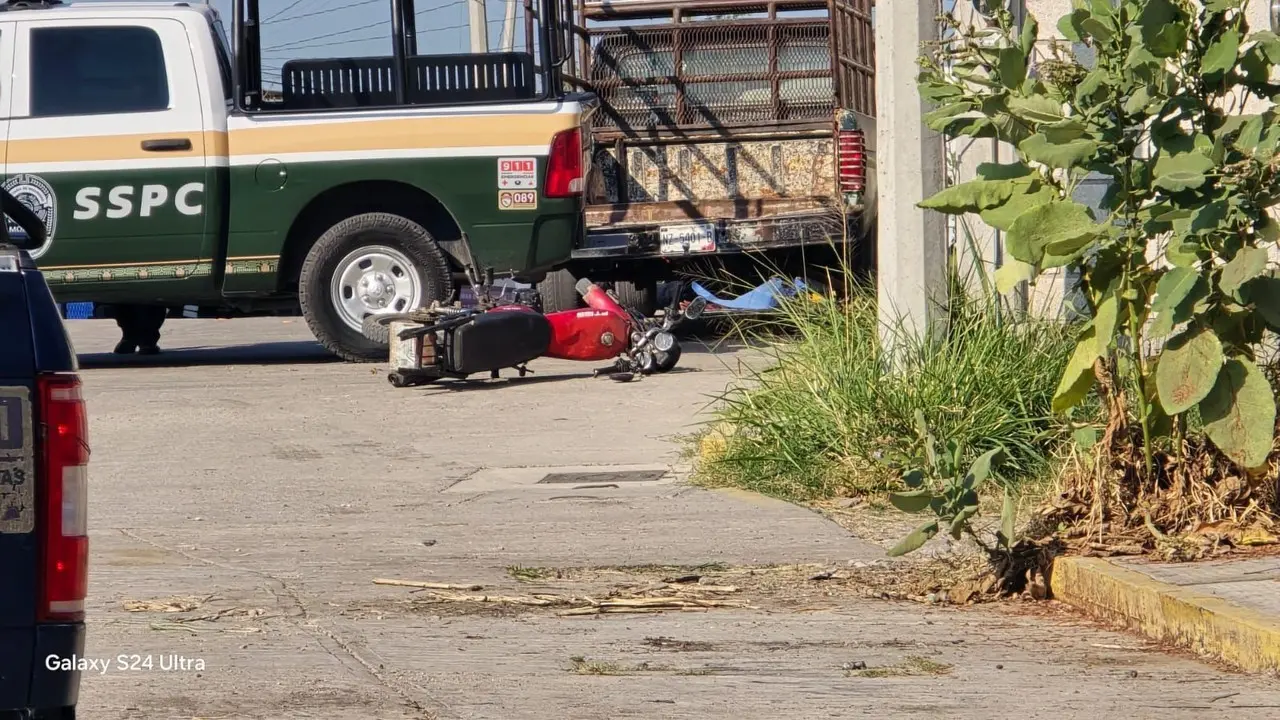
{"points": [[455, 342]]}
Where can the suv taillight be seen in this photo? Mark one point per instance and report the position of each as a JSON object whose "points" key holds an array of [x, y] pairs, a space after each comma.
{"points": [[64, 508], [564, 165], [851, 160]]}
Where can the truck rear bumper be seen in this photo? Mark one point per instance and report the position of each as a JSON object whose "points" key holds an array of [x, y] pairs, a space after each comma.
{"points": [[634, 231], [26, 682]]}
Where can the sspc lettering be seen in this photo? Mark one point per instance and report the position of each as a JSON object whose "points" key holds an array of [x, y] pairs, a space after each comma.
{"points": [[127, 200]]}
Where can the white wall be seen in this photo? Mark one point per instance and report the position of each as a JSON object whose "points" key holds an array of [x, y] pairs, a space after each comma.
{"points": [[1045, 297]]}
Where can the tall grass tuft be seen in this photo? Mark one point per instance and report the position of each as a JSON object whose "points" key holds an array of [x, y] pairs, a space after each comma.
{"points": [[826, 417]]}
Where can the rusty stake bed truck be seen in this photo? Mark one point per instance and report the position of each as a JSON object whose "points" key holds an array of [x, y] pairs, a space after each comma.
{"points": [[723, 134]]}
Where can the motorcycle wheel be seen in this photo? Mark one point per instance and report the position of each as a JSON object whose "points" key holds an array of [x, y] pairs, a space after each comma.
{"points": [[665, 361]]}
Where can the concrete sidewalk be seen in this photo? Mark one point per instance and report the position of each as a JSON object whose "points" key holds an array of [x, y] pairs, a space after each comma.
{"points": [[1227, 609]]}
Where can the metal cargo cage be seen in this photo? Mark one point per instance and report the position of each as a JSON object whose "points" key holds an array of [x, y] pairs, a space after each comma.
{"points": [[661, 67]]}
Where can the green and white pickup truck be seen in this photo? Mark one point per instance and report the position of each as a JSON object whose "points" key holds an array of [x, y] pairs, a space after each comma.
{"points": [[166, 176]]}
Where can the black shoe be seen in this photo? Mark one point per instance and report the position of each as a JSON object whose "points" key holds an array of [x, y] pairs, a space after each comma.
{"points": [[125, 347], [149, 350]]}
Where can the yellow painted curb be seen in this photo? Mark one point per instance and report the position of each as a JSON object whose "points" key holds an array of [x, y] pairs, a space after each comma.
{"points": [[1169, 613]]}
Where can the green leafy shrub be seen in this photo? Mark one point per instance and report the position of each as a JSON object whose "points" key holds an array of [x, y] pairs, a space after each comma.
{"points": [[942, 487], [1179, 255]]}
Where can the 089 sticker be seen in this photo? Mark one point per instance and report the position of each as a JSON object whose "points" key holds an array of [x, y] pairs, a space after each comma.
{"points": [[17, 466], [518, 200]]}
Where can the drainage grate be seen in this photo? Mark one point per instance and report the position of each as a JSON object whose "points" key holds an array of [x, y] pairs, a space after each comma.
{"points": [[598, 478]]}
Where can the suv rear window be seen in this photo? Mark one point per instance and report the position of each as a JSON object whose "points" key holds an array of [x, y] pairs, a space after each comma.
{"points": [[96, 70]]}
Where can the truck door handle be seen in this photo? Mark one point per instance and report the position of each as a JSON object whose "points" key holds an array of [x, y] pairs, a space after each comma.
{"points": [[166, 144]]}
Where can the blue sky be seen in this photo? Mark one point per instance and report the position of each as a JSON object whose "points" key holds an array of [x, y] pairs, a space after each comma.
{"points": [[353, 28]]}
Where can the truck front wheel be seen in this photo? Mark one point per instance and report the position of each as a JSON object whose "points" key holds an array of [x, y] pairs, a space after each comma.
{"points": [[369, 264]]}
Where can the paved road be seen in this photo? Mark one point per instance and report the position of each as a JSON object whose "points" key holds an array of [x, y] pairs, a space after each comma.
{"points": [[270, 487]]}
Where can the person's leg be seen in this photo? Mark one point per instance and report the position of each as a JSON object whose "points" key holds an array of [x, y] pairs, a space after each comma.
{"points": [[126, 321], [150, 319]]}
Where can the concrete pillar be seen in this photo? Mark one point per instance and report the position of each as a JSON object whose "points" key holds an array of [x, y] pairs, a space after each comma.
{"points": [[911, 242], [478, 20]]}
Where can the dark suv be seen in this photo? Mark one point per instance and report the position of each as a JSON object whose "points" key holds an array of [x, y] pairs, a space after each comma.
{"points": [[44, 453]]}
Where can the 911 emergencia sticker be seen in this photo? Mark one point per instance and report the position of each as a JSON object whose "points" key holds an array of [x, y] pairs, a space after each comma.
{"points": [[17, 462], [518, 173]]}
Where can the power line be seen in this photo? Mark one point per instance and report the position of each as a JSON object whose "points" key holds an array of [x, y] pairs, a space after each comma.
{"points": [[329, 35], [289, 7], [366, 2], [324, 11], [310, 44]]}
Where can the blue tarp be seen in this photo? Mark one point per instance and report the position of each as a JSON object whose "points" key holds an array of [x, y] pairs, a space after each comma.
{"points": [[761, 297]]}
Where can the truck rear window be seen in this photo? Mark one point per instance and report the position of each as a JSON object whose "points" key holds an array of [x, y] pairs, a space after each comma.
{"points": [[223, 48], [97, 70]]}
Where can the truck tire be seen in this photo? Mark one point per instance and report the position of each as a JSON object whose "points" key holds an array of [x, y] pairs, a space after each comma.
{"points": [[641, 297], [364, 265], [558, 293]]}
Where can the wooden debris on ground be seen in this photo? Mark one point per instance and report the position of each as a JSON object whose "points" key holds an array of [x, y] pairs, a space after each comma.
{"points": [[650, 605], [167, 605], [176, 605], [655, 597], [421, 585]]}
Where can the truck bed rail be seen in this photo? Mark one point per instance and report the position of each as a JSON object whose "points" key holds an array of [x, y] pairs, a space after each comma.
{"points": [[432, 80]]}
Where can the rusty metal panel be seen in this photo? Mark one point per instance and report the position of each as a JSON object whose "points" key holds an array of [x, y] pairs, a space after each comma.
{"points": [[654, 213], [716, 171], [853, 43], [617, 9], [709, 73]]}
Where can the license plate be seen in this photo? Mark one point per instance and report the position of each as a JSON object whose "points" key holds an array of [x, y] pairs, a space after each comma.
{"points": [[17, 465], [692, 238]]}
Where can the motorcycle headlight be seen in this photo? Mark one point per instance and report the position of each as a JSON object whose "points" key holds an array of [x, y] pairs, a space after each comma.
{"points": [[664, 341]]}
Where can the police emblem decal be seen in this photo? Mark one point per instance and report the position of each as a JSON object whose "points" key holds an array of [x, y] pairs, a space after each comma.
{"points": [[36, 193]]}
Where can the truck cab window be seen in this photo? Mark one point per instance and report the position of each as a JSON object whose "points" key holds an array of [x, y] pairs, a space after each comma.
{"points": [[96, 70]]}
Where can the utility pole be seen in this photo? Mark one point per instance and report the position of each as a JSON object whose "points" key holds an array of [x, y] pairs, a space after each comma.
{"points": [[911, 242], [509, 27], [479, 21]]}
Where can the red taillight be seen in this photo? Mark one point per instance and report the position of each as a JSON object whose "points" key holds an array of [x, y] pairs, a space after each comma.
{"points": [[564, 165], [64, 509], [851, 160]]}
